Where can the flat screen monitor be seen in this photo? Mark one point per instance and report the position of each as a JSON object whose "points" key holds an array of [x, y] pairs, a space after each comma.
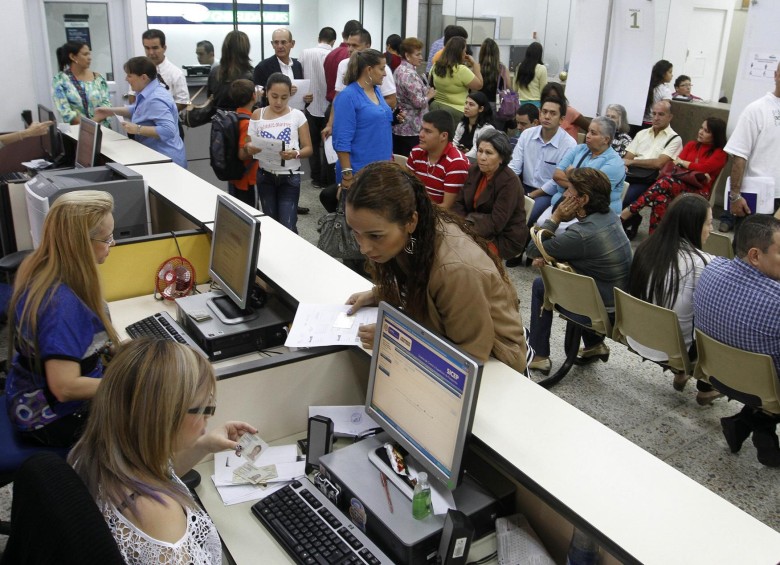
{"points": [[51, 142], [88, 147], [422, 391], [235, 244]]}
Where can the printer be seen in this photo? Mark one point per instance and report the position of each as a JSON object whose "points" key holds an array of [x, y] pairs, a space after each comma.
{"points": [[131, 208]]}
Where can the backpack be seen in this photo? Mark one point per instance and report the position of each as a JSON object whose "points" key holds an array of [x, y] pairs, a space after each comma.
{"points": [[223, 152], [508, 103]]}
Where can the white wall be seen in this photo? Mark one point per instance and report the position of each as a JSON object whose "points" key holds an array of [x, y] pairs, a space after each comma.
{"points": [[16, 66]]}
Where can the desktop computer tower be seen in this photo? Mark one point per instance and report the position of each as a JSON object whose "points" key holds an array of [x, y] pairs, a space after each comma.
{"points": [[353, 484]]}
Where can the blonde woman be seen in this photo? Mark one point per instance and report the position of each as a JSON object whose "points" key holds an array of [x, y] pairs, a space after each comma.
{"points": [[147, 427], [59, 321]]}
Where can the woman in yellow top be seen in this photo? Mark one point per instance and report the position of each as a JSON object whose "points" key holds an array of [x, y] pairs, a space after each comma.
{"points": [[453, 74], [531, 75]]}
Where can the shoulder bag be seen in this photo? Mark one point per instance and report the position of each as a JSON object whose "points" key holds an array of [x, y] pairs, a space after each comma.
{"points": [[537, 235], [642, 175], [693, 179], [193, 116], [336, 238]]}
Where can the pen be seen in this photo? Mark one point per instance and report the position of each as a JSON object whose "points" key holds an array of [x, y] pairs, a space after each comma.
{"points": [[387, 491]]}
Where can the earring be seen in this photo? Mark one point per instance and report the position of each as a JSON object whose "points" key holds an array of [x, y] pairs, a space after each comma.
{"points": [[411, 245]]}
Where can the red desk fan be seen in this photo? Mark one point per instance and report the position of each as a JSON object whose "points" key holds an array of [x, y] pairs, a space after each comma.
{"points": [[175, 278]]}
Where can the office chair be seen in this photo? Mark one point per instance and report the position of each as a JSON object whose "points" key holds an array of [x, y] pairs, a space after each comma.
{"points": [[576, 294], [55, 519]]}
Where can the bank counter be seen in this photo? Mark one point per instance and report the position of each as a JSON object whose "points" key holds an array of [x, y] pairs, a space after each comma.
{"points": [[568, 468]]}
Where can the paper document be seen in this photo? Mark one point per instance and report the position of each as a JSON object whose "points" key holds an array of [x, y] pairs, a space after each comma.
{"points": [[304, 88], [226, 463], [317, 325], [348, 421], [758, 192], [269, 156], [330, 153], [244, 493]]}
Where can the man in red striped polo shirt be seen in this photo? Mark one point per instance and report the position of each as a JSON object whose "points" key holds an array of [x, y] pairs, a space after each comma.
{"points": [[439, 165]]}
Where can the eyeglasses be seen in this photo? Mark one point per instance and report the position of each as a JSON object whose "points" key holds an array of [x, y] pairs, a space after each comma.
{"points": [[109, 241], [686, 84], [203, 410]]}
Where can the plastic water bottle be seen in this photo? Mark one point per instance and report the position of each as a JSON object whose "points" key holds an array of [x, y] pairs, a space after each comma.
{"points": [[582, 550], [421, 500]]}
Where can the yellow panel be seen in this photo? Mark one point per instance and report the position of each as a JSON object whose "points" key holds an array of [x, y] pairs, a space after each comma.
{"points": [[131, 268]]}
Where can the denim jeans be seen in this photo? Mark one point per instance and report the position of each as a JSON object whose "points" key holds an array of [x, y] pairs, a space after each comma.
{"points": [[541, 323], [279, 197], [245, 196], [541, 203]]}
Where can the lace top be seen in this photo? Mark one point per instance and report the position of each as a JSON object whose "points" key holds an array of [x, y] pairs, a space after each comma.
{"points": [[199, 545]]}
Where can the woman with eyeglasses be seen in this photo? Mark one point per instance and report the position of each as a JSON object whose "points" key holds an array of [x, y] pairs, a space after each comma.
{"points": [[147, 428], [58, 320]]}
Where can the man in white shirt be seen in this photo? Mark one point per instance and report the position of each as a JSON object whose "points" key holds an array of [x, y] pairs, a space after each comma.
{"points": [[754, 149], [172, 76], [312, 61], [537, 153]]}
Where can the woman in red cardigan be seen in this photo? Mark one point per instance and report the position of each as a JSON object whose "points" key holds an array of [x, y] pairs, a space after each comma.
{"points": [[705, 155]]}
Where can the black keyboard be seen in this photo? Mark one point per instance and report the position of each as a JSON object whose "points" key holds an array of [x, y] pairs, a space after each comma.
{"points": [[161, 326], [312, 530], [14, 177]]}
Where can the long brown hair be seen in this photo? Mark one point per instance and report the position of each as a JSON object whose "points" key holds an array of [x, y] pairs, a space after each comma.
{"points": [[450, 57], [390, 191]]}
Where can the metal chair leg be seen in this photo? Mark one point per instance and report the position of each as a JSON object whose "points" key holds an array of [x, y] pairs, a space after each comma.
{"points": [[572, 346]]}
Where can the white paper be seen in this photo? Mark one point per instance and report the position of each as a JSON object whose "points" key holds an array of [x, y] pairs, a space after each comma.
{"points": [[225, 462], [316, 325], [304, 88], [244, 493], [762, 187], [330, 153], [269, 156], [348, 421]]}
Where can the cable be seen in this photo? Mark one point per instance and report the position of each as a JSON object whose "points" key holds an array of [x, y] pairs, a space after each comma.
{"points": [[484, 559]]}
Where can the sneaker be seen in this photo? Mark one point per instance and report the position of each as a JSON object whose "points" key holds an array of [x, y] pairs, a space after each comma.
{"points": [[724, 227], [736, 430], [544, 366], [705, 398], [589, 354]]}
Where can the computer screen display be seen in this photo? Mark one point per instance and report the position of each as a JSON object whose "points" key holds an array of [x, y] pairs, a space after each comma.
{"points": [[423, 391], [88, 147], [234, 247], [51, 144]]}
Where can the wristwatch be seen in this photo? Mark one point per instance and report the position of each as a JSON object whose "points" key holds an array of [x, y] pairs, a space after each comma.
{"points": [[138, 129], [734, 197]]}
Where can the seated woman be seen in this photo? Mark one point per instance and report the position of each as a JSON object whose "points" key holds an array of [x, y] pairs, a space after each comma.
{"points": [[617, 114], [705, 155], [682, 89], [665, 270], [425, 261], [595, 246], [58, 320], [147, 427], [477, 118], [492, 199], [154, 118]]}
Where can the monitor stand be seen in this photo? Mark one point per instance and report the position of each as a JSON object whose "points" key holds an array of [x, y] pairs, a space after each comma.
{"points": [[228, 313]]}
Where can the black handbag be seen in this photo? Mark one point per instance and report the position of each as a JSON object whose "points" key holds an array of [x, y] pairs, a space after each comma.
{"points": [[194, 116], [642, 175], [336, 237]]}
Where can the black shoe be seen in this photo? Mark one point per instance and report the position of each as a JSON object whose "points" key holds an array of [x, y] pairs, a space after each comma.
{"points": [[515, 261], [631, 226], [302, 211], [736, 430], [318, 184], [767, 445]]}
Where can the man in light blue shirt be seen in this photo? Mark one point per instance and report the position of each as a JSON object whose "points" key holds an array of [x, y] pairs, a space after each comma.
{"points": [[538, 152]]}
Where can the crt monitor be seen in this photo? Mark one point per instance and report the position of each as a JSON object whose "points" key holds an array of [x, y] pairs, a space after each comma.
{"points": [[422, 391], [234, 248], [51, 142], [88, 147]]}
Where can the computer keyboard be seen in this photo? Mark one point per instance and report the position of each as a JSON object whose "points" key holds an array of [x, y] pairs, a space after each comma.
{"points": [[14, 177], [312, 530], [162, 326]]}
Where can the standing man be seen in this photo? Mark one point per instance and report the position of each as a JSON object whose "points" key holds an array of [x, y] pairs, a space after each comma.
{"points": [[652, 148], [281, 62], [439, 165], [337, 55], [172, 76], [754, 148], [737, 302], [537, 154], [313, 60], [204, 51]]}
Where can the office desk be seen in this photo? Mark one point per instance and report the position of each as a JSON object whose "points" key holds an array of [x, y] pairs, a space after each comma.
{"points": [[121, 149]]}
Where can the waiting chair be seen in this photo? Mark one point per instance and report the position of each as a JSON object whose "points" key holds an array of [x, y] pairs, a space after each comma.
{"points": [[653, 326], [742, 375], [577, 294], [55, 519], [529, 205], [400, 159], [720, 245]]}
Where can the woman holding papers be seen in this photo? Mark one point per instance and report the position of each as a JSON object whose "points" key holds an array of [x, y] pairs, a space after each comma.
{"points": [[280, 138], [429, 263], [146, 428]]}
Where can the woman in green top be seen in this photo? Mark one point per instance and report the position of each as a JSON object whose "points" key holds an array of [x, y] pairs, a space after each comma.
{"points": [[77, 90], [531, 75], [453, 74]]}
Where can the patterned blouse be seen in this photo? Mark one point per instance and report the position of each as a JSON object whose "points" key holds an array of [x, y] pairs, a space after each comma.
{"points": [[68, 101], [411, 90]]}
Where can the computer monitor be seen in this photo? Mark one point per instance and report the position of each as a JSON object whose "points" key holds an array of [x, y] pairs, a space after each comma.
{"points": [[235, 244], [422, 391], [51, 142], [88, 147]]}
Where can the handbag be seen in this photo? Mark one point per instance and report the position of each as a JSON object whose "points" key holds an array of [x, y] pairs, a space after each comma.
{"points": [[508, 101], [336, 238], [537, 235], [193, 116], [642, 175], [693, 179]]}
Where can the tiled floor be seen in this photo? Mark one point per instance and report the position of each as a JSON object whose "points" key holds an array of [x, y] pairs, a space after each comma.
{"points": [[636, 400]]}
